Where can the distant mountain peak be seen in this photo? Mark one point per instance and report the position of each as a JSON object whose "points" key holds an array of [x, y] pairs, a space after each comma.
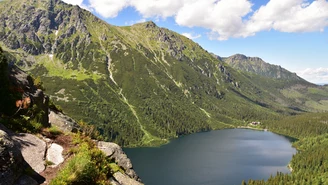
{"points": [[150, 24], [147, 24], [256, 65], [245, 58], [239, 57]]}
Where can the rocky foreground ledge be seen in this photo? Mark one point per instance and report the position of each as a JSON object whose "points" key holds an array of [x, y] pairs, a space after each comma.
{"points": [[115, 152], [13, 167], [25, 159]]}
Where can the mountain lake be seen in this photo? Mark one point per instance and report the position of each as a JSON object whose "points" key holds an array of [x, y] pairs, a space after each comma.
{"points": [[222, 157]]}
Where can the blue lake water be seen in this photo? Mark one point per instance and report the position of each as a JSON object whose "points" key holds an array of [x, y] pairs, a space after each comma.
{"points": [[222, 157]]}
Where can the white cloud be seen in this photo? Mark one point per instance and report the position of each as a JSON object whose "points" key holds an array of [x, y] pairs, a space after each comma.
{"points": [[108, 8], [147, 8], [74, 2], [191, 35], [225, 18], [289, 16], [318, 75], [158, 8], [77, 2]]}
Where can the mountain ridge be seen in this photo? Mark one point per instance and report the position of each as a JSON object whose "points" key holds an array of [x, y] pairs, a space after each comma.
{"points": [[139, 84], [258, 66]]}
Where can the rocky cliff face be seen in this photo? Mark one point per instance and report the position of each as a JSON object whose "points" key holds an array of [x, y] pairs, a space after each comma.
{"points": [[35, 29], [115, 152]]}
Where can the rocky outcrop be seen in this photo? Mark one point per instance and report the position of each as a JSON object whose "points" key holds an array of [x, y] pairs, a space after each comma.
{"points": [[125, 180], [20, 153], [35, 29], [54, 154], [63, 122], [24, 84], [169, 41], [115, 152], [39, 152], [12, 162], [33, 150]]}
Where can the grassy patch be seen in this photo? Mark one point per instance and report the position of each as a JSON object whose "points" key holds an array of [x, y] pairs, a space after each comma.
{"points": [[56, 67], [115, 168], [289, 93], [322, 105], [88, 165], [54, 130], [318, 91], [48, 163]]}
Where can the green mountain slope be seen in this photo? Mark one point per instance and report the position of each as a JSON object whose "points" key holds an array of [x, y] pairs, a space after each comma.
{"points": [[284, 84], [140, 84]]}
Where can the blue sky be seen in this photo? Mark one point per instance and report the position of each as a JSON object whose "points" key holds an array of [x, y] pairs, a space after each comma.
{"points": [[290, 33]]}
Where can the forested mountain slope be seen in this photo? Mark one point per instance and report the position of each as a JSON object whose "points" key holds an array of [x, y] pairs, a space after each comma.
{"points": [[140, 84]]}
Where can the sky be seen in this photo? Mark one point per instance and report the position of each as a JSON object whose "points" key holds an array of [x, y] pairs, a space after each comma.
{"points": [[289, 33]]}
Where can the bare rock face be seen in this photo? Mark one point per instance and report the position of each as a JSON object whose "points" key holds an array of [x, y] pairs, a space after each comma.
{"points": [[125, 180], [54, 154], [33, 150], [33, 28], [63, 122], [113, 181], [12, 163], [115, 152], [11, 160]]}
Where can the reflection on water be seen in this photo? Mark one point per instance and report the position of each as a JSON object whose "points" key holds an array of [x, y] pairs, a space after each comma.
{"points": [[213, 158]]}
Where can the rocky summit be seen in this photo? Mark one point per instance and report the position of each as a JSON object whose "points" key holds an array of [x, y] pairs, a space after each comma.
{"points": [[257, 66]]}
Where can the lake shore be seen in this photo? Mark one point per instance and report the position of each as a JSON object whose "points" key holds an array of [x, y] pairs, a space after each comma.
{"points": [[253, 128]]}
